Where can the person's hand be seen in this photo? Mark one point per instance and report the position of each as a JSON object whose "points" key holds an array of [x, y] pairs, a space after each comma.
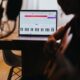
{"points": [[50, 47], [51, 38], [65, 41]]}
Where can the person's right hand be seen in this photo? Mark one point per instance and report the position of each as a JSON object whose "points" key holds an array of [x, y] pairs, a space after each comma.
{"points": [[65, 41], [50, 47]]}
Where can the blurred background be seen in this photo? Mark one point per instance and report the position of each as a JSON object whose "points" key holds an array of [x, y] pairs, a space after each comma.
{"points": [[32, 5], [47, 5]]}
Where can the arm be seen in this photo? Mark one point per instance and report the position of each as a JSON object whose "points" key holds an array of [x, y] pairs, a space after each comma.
{"points": [[60, 58]]}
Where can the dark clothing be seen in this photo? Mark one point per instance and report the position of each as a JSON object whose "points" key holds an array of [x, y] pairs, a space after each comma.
{"points": [[73, 51]]}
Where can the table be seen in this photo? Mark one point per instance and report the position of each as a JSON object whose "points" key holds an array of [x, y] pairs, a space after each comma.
{"points": [[33, 59]]}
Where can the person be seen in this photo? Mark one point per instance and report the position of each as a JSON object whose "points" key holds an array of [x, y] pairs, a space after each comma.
{"points": [[71, 53]]}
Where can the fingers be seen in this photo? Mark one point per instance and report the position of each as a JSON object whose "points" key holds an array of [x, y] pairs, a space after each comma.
{"points": [[68, 31], [66, 40], [66, 35], [51, 38]]}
